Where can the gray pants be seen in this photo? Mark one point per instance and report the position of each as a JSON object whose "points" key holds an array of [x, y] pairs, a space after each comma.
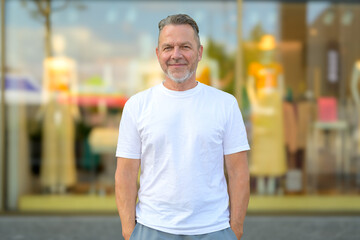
{"points": [[142, 232]]}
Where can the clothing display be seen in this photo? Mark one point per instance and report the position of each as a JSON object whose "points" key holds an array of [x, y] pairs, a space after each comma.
{"points": [[58, 163], [58, 167], [181, 138], [268, 146]]}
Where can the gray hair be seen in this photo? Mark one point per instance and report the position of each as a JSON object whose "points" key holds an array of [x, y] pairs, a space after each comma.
{"points": [[180, 19]]}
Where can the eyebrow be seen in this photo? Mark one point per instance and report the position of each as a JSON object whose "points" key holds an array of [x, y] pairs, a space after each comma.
{"points": [[170, 44]]}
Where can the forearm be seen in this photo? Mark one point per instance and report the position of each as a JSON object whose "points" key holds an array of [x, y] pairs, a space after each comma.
{"points": [[239, 193], [239, 189], [126, 194]]}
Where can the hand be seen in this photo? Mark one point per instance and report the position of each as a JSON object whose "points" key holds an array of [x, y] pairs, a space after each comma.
{"points": [[127, 235], [238, 231], [127, 232]]}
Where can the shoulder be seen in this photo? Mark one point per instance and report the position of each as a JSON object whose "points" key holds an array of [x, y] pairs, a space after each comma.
{"points": [[138, 101], [142, 96], [219, 95]]}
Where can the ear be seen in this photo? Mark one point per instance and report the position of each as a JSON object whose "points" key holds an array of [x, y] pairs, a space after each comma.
{"points": [[201, 48], [157, 52]]}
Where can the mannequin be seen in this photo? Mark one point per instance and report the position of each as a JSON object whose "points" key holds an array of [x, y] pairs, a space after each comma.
{"points": [[59, 111], [265, 90]]}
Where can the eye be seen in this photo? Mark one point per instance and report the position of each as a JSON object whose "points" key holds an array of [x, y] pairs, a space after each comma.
{"points": [[167, 48]]}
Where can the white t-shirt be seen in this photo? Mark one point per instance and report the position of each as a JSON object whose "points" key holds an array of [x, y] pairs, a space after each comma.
{"points": [[181, 138]]}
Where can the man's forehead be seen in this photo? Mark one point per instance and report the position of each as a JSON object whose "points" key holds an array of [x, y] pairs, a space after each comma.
{"points": [[176, 43], [182, 33]]}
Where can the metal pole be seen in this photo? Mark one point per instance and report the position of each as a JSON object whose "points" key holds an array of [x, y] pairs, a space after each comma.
{"points": [[2, 110], [239, 55]]}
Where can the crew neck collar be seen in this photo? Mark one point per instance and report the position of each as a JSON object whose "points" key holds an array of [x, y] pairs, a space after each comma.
{"points": [[185, 93]]}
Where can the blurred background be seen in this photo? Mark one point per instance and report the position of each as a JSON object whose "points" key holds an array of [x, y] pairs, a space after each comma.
{"points": [[68, 67]]}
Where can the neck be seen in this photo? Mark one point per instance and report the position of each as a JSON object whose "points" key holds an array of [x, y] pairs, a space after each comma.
{"points": [[186, 85]]}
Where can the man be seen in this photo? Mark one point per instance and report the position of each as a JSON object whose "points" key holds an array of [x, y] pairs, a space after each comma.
{"points": [[181, 132]]}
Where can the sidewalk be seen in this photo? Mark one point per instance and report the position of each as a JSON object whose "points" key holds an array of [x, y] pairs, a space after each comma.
{"points": [[108, 228]]}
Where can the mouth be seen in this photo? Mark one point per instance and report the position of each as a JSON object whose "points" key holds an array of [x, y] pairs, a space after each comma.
{"points": [[176, 65]]}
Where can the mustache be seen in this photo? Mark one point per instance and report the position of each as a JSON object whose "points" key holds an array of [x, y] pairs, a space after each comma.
{"points": [[176, 62]]}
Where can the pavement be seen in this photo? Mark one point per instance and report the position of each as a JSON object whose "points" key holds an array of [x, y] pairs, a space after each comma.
{"points": [[20, 227]]}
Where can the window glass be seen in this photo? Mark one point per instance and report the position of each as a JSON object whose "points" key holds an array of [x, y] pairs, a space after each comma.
{"points": [[70, 72]]}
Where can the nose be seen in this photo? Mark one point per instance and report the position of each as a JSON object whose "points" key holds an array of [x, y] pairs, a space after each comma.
{"points": [[176, 54]]}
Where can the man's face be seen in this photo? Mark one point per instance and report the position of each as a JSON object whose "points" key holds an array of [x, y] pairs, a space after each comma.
{"points": [[178, 52]]}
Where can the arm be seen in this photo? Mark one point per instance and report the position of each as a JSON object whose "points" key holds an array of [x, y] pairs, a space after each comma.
{"points": [[126, 193], [239, 189]]}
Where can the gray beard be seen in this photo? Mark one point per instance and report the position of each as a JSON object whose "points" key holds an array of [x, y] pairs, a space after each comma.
{"points": [[182, 79]]}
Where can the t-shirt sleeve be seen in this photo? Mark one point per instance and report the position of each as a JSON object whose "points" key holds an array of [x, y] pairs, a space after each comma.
{"points": [[129, 142], [235, 137]]}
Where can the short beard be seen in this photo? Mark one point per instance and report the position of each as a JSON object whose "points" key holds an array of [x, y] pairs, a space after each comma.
{"points": [[182, 79]]}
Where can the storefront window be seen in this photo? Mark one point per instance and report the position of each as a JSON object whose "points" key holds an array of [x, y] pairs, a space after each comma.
{"points": [[70, 71]]}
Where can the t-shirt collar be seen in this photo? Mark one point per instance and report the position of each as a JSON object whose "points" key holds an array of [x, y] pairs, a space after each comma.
{"points": [[185, 93]]}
